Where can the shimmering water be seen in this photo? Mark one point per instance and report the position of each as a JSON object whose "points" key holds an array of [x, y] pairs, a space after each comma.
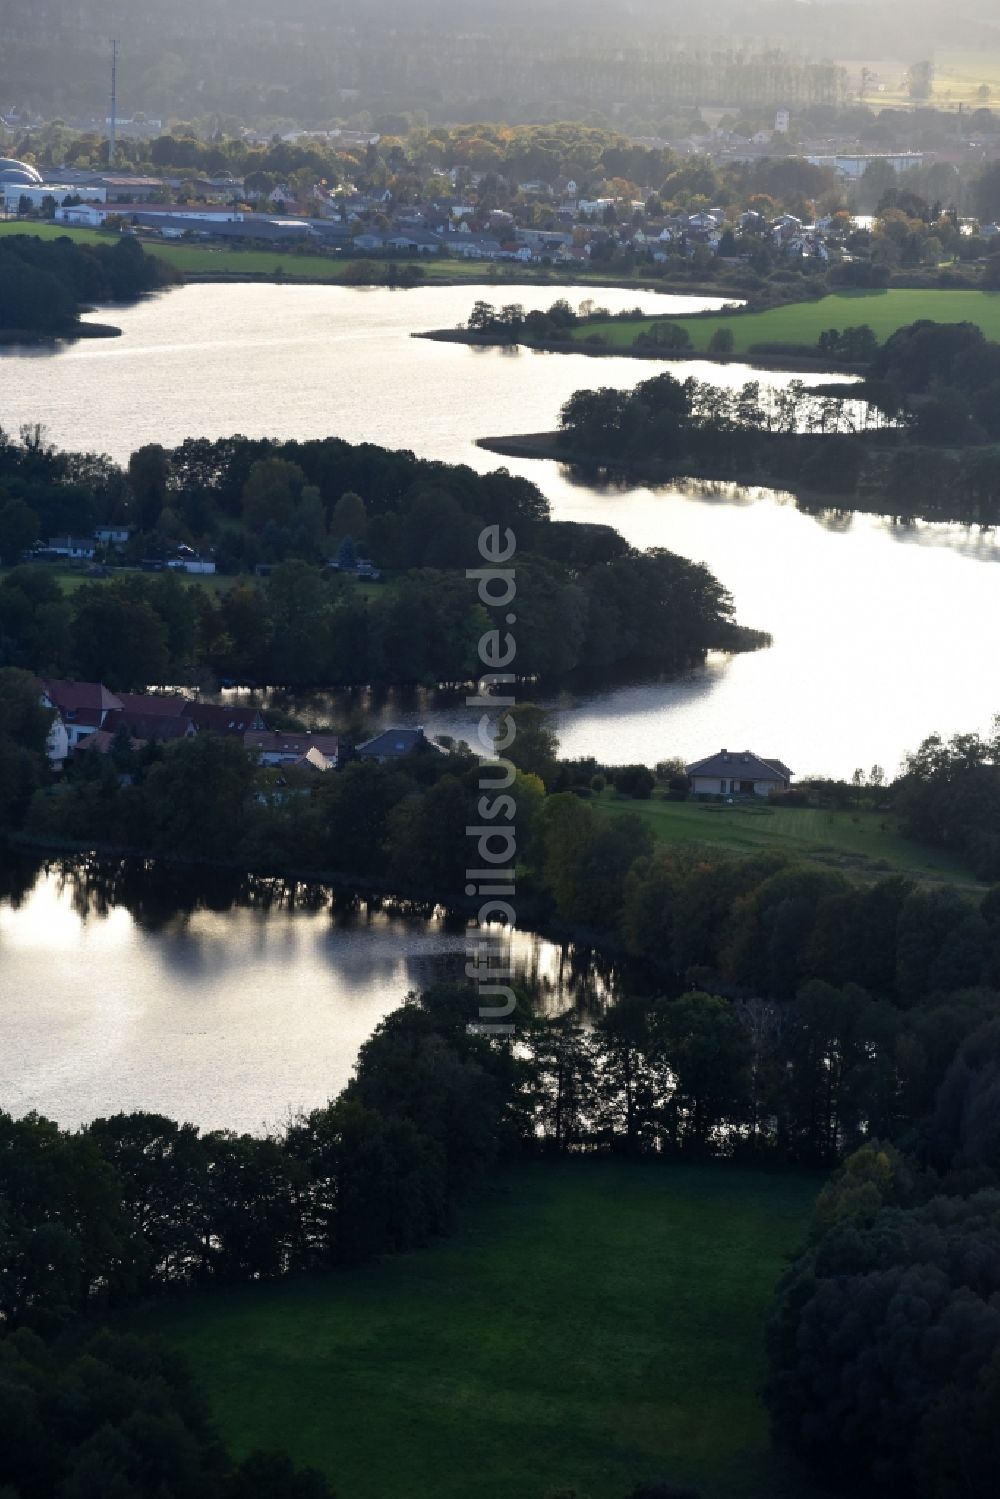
{"points": [[881, 632], [227, 1006]]}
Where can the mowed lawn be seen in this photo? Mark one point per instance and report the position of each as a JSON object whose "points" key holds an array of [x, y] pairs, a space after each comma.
{"points": [[863, 841], [70, 579], [592, 1325], [803, 322]]}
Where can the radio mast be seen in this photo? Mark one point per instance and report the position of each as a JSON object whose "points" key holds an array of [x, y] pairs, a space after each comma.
{"points": [[114, 104]]}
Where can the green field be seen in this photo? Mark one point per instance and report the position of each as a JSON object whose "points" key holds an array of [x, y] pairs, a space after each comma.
{"points": [[803, 322], [72, 578], [863, 841], [210, 260], [592, 1325], [958, 77]]}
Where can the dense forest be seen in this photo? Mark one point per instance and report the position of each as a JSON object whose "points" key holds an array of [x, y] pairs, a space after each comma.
{"points": [[584, 595], [884, 1339], [44, 283]]}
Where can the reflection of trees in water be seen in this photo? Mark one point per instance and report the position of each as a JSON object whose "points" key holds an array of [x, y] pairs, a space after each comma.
{"points": [[426, 941], [18, 877], [155, 895]]}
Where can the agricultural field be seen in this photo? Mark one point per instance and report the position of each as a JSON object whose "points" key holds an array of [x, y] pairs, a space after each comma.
{"points": [[959, 78], [592, 1324], [205, 260], [864, 841], [803, 322]]}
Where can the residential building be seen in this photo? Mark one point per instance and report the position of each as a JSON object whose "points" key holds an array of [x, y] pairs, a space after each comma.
{"points": [[396, 744], [225, 718], [143, 727], [77, 547], [738, 773], [276, 747], [82, 706]]}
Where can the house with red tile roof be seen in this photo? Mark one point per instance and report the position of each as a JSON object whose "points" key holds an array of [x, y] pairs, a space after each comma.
{"points": [[275, 747]]}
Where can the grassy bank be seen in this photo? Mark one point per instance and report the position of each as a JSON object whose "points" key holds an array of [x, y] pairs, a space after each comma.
{"points": [[71, 578], [864, 841], [803, 322], [211, 262], [593, 1324]]}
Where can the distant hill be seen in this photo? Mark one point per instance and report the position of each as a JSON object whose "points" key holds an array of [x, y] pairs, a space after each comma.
{"points": [[313, 61]]}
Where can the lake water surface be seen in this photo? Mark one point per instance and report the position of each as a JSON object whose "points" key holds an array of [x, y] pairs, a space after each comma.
{"points": [[226, 1007], [882, 632]]}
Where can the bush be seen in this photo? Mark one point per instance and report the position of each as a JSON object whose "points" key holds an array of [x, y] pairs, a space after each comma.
{"points": [[634, 780], [835, 467], [858, 273], [670, 337], [794, 797], [721, 343], [597, 783]]}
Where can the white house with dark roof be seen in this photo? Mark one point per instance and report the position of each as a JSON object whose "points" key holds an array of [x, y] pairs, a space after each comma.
{"points": [[738, 773]]}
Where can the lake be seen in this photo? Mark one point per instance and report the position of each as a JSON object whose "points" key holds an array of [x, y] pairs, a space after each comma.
{"points": [[882, 632], [227, 1004]]}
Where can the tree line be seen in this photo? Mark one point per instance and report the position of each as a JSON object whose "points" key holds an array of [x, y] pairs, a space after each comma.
{"points": [[45, 282], [917, 437], [884, 1337], [585, 597]]}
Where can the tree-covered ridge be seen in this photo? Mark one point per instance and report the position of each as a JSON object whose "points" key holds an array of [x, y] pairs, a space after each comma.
{"points": [[44, 282], [584, 596]]}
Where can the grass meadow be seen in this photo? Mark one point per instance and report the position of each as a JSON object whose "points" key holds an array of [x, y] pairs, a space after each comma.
{"points": [[958, 78], [591, 1325], [205, 260], [863, 841], [803, 322]]}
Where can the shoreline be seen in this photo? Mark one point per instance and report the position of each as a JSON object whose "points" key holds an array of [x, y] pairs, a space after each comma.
{"points": [[804, 363], [546, 447], [513, 278], [12, 337], [46, 848]]}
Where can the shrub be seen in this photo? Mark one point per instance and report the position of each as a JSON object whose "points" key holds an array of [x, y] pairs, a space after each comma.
{"points": [[721, 343], [634, 780], [597, 783], [670, 337], [794, 797]]}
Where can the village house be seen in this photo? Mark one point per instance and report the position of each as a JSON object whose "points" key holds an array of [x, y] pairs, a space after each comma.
{"points": [[738, 773], [396, 744], [80, 548], [276, 747], [82, 707], [223, 718], [89, 715]]}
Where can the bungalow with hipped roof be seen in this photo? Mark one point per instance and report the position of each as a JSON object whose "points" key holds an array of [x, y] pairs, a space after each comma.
{"points": [[396, 744], [738, 773]]}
